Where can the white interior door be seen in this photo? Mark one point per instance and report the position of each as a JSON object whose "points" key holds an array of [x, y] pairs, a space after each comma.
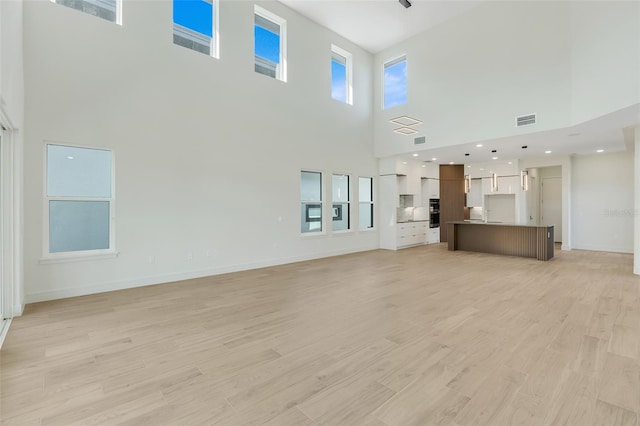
{"points": [[551, 205], [501, 208]]}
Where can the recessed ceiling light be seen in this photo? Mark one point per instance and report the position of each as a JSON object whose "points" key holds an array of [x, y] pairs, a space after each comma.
{"points": [[494, 158], [405, 120], [452, 162], [600, 150], [434, 159], [510, 162], [405, 130], [404, 162], [482, 170], [424, 165], [69, 158], [547, 152], [479, 145], [469, 167], [415, 155]]}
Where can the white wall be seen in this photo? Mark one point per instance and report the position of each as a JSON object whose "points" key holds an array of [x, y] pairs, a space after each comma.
{"points": [[207, 152], [605, 57], [12, 117], [603, 202], [469, 77]]}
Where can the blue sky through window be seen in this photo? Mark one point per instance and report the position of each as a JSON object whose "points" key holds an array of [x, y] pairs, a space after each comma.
{"points": [[197, 15], [267, 44], [395, 84], [338, 81]]}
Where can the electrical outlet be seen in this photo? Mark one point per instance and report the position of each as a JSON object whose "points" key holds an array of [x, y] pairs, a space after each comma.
{"points": [[189, 255]]}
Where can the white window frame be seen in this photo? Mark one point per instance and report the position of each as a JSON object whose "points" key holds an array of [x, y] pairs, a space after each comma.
{"points": [[110, 252], [349, 71], [349, 203], [118, 20], [370, 203], [281, 71], [389, 63], [214, 43], [323, 204]]}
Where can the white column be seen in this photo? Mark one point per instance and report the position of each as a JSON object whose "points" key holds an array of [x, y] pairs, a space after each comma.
{"points": [[636, 193]]}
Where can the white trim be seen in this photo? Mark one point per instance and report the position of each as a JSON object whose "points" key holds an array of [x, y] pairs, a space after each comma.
{"points": [[166, 278], [349, 71], [589, 247], [12, 205], [78, 256], [281, 71]]}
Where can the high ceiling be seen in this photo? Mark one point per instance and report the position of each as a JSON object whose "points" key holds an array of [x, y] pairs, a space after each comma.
{"points": [[377, 24]]}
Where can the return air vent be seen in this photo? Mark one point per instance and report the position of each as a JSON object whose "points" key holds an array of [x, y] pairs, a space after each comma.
{"points": [[526, 120], [420, 140]]}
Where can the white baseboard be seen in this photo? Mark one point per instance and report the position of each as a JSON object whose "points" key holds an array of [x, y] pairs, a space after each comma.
{"points": [[186, 275], [588, 247]]}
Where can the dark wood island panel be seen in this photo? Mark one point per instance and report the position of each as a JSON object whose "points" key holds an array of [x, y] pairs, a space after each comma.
{"points": [[501, 238]]}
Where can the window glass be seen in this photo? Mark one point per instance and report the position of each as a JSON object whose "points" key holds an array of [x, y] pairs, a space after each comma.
{"points": [[340, 206], [79, 199], [395, 82], [194, 24], [365, 203], [269, 44], [78, 172], [311, 201]]}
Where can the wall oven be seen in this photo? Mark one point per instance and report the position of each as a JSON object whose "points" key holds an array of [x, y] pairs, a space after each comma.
{"points": [[434, 213]]}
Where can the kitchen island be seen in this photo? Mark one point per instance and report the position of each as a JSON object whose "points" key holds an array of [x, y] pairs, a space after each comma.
{"points": [[502, 238]]}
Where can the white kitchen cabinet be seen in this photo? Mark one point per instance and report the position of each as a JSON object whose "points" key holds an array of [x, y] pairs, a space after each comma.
{"points": [[474, 196], [411, 233], [430, 189], [433, 235]]}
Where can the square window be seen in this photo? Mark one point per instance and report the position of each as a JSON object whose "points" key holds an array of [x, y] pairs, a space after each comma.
{"points": [[195, 25], [395, 82], [270, 44]]}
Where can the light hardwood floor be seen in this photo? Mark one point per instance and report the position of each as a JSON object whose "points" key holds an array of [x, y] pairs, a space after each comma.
{"points": [[419, 336]]}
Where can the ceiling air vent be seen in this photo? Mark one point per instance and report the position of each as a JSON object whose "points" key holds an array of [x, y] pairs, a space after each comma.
{"points": [[420, 140], [526, 120]]}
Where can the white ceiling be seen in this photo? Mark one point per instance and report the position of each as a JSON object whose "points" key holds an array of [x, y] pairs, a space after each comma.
{"points": [[606, 133], [377, 24]]}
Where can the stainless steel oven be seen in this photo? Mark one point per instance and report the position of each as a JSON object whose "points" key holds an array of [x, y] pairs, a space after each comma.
{"points": [[434, 213]]}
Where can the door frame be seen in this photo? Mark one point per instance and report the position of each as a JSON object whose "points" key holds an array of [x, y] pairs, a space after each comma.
{"points": [[541, 204], [11, 222]]}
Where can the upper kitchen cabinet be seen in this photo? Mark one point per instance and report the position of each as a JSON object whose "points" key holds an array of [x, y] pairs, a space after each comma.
{"points": [[430, 189], [474, 196], [430, 170]]}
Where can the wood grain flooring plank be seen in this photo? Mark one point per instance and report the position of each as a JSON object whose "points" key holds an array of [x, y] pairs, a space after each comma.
{"points": [[419, 336]]}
